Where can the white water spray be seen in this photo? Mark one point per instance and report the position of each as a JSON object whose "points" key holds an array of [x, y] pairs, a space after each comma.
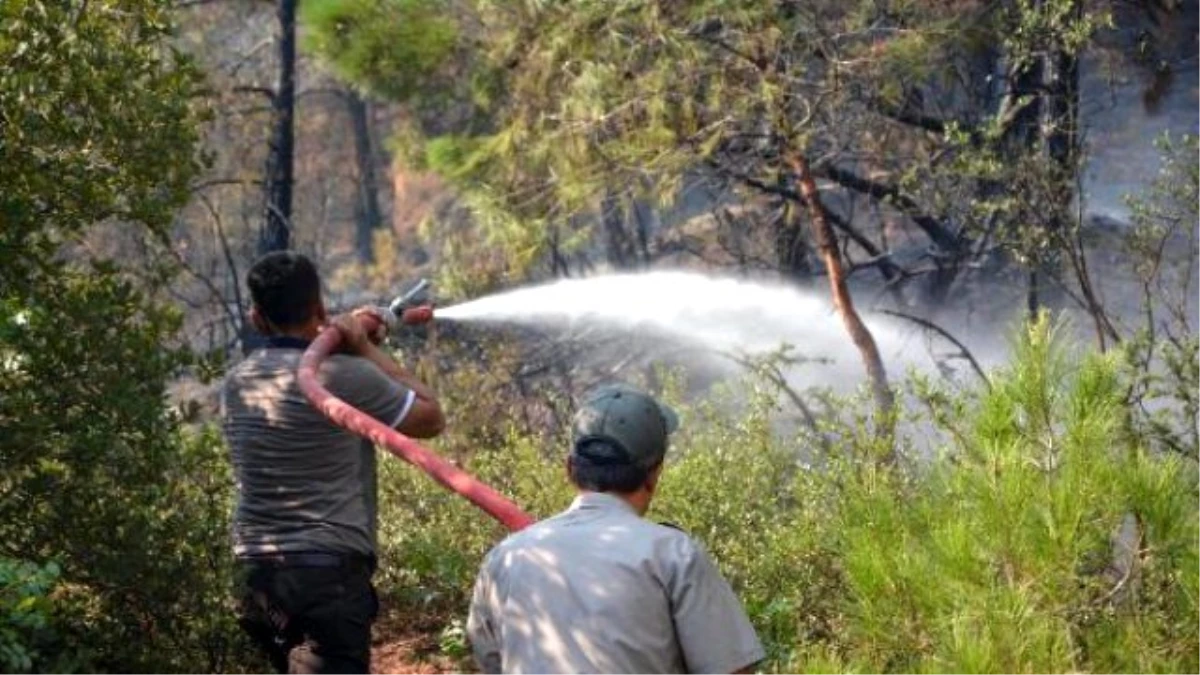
{"points": [[722, 315]]}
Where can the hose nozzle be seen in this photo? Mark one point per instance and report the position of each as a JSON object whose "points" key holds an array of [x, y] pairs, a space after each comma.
{"points": [[417, 295], [415, 316], [414, 307]]}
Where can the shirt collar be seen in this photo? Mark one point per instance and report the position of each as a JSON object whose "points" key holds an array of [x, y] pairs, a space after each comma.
{"points": [[600, 501], [287, 342]]}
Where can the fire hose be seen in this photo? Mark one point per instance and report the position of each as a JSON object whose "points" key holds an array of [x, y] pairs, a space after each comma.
{"points": [[350, 418]]}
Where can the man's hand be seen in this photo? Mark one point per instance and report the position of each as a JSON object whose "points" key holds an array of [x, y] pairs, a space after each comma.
{"points": [[354, 337], [368, 315], [354, 334]]}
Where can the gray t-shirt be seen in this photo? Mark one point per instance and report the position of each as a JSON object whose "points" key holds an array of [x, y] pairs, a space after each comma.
{"points": [[304, 484], [598, 589]]}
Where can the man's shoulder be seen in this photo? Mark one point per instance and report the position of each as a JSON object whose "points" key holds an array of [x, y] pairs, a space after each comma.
{"points": [[348, 367], [540, 533], [236, 373], [563, 529], [676, 542]]}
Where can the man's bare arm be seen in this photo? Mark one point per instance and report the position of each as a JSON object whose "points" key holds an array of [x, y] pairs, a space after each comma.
{"points": [[424, 419]]}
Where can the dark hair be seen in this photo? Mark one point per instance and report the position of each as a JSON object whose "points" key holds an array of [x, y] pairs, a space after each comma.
{"points": [[602, 466], [285, 288]]}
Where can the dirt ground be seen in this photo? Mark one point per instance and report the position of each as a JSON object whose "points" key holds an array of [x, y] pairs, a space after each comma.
{"points": [[404, 654], [410, 647]]}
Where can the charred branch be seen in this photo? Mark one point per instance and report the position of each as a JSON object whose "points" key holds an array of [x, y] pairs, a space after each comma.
{"points": [[937, 232]]}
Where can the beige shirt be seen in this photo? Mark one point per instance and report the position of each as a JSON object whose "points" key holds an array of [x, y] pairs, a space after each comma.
{"points": [[599, 589], [303, 483]]}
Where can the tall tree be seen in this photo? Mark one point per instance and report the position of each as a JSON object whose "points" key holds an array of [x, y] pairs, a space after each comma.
{"points": [[367, 214], [572, 100], [842, 300], [280, 176]]}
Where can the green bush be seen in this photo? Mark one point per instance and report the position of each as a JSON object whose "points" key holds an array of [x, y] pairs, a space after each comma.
{"points": [[125, 513], [28, 641], [997, 556]]}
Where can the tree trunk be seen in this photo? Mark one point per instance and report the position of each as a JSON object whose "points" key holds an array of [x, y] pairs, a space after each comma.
{"points": [[643, 231], [618, 247], [791, 251], [827, 248], [367, 208], [1060, 145], [791, 255], [1023, 135], [276, 232]]}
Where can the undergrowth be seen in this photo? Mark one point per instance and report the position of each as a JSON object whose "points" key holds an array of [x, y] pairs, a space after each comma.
{"points": [[994, 552]]}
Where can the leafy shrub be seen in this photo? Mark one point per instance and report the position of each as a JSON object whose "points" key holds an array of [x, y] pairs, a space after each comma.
{"points": [[102, 126], [996, 556], [28, 641]]}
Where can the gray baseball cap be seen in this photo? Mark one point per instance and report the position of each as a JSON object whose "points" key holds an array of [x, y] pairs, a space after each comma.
{"points": [[627, 418]]}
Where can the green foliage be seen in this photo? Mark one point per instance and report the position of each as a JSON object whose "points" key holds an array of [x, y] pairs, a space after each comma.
{"points": [[1038, 25], [997, 557], [391, 47], [98, 478], [28, 641], [99, 482], [1164, 355], [100, 123], [574, 103]]}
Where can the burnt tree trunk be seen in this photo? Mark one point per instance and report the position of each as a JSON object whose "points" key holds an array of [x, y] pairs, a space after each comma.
{"points": [[1060, 145], [791, 252], [368, 216], [828, 251], [1024, 135], [618, 247], [276, 232]]}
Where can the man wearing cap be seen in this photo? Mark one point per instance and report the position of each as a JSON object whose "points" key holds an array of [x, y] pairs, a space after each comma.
{"points": [[599, 589]]}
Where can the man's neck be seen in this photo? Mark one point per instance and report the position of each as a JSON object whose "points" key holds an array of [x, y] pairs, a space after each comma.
{"points": [[639, 501], [307, 332]]}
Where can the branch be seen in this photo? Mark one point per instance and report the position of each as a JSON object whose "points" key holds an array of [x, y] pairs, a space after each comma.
{"points": [[932, 227], [237, 289], [712, 39], [252, 89], [775, 376], [913, 118], [843, 302], [879, 258], [929, 325], [759, 185], [212, 288], [202, 185]]}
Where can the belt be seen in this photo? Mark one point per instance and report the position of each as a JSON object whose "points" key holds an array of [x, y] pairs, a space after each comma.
{"points": [[305, 559]]}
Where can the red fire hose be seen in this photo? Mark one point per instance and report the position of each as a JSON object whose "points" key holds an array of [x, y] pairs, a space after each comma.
{"points": [[352, 419]]}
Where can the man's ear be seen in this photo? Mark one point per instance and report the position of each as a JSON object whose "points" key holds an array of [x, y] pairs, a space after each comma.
{"points": [[259, 321]]}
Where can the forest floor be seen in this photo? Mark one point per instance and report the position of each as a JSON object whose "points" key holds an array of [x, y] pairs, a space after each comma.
{"points": [[407, 654], [401, 645]]}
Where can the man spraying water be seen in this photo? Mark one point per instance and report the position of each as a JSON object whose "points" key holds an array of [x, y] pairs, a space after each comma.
{"points": [[304, 528]]}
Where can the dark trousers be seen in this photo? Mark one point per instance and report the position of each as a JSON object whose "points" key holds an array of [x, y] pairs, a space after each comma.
{"points": [[311, 613]]}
